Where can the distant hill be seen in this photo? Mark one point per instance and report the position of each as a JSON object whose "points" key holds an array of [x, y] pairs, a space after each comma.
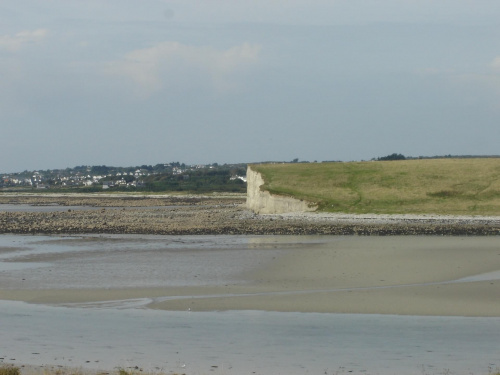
{"points": [[468, 186]]}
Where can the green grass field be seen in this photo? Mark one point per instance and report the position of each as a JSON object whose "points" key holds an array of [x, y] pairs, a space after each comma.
{"points": [[434, 186]]}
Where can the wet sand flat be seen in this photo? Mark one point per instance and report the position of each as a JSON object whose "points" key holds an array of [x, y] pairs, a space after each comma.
{"points": [[398, 275], [410, 275]]}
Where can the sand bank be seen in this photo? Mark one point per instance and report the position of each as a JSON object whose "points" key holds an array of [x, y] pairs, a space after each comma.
{"points": [[423, 276], [411, 275]]}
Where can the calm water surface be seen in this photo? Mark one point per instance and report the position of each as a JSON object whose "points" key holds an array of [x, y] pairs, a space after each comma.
{"points": [[232, 342], [247, 342]]}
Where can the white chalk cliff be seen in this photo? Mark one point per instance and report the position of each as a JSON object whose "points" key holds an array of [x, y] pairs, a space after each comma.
{"points": [[263, 202]]}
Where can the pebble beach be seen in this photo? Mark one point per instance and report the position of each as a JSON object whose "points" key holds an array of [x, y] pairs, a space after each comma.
{"points": [[215, 214]]}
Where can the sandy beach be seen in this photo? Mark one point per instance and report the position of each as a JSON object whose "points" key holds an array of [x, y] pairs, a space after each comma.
{"points": [[409, 275], [381, 276]]}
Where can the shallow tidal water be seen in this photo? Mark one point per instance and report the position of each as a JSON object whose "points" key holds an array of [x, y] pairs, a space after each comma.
{"points": [[120, 261], [232, 342], [246, 342]]}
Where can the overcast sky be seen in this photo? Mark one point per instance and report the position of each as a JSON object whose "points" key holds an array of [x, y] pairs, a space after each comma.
{"points": [[132, 82]]}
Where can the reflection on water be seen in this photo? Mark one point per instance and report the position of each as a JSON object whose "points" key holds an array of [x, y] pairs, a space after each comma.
{"points": [[247, 342], [118, 261]]}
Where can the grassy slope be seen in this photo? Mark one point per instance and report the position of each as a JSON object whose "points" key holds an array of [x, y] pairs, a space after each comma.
{"points": [[444, 186]]}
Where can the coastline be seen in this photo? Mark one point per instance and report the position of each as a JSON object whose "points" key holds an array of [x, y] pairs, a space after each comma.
{"points": [[379, 267], [208, 215], [356, 271]]}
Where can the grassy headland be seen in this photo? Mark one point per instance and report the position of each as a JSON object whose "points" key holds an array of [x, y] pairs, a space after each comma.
{"points": [[437, 186]]}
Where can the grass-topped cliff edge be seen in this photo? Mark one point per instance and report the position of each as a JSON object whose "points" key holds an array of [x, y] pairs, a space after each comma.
{"points": [[420, 186]]}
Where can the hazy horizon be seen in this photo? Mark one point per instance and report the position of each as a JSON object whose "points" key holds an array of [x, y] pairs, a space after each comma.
{"points": [[144, 82]]}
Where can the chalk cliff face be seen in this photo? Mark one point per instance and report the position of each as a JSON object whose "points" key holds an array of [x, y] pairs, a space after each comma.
{"points": [[262, 202]]}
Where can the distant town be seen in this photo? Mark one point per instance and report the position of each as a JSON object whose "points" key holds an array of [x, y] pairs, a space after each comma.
{"points": [[172, 176]]}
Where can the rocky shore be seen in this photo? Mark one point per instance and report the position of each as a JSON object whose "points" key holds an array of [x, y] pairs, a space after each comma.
{"points": [[215, 214]]}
